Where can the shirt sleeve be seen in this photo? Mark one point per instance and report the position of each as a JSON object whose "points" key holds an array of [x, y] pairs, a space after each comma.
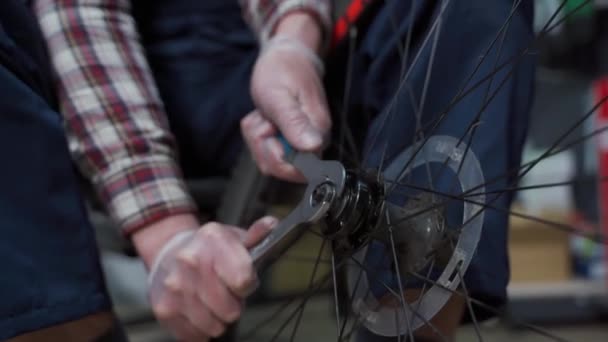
{"points": [[264, 15], [115, 121]]}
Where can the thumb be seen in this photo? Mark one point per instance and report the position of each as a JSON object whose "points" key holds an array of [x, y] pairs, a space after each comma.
{"points": [[258, 231]]}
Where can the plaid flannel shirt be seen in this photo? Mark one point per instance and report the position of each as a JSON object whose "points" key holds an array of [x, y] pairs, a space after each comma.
{"points": [[117, 128]]}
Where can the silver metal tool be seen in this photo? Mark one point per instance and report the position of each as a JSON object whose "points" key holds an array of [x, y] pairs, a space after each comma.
{"points": [[326, 180]]}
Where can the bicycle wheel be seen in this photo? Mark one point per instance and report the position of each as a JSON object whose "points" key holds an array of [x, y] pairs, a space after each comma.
{"points": [[431, 102]]}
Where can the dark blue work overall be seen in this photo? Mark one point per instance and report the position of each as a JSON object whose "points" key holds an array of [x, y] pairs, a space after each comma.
{"points": [[50, 269], [202, 53]]}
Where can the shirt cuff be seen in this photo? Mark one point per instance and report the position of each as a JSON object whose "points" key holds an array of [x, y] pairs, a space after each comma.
{"points": [[140, 192], [265, 22]]}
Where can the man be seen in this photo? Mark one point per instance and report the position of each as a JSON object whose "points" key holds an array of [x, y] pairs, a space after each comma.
{"points": [[129, 101], [119, 137], [53, 275]]}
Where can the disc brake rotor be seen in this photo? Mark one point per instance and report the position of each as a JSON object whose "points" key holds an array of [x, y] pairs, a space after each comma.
{"points": [[392, 320]]}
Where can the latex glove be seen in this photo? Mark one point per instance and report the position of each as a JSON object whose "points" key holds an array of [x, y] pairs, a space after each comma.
{"points": [[200, 277], [288, 93]]}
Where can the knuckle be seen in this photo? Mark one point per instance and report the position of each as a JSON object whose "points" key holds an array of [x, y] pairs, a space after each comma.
{"points": [[287, 173], [213, 226], [163, 311], [246, 127], [245, 266], [259, 162], [233, 314], [326, 123], [173, 284], [212, 230], [248, 138], [264, 170], [266, 126], [245, 279], [186, 258], [296, 122], [248, 120], [216, 329]]}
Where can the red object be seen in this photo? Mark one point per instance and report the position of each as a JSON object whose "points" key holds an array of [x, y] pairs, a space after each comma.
{"points": [[601, 92], [352, 13]]}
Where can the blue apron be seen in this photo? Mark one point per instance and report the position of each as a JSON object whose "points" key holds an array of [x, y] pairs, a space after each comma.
{"points": [[201, 54], [50, 269]]}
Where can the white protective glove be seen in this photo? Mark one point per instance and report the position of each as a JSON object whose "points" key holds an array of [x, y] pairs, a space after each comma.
{"points": [[199, 279], [288, 93]]}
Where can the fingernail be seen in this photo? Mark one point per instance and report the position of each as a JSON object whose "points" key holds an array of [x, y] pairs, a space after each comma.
{"points": [[270, 221], [311, 139], [253, 287]]}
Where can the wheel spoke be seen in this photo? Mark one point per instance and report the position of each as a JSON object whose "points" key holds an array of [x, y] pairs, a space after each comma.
{"points": [[467, 298], [309, 294], [356, 325], [399, 282], [424, 287], [382, 159], [336, 299], [304, 259], [310, 286], [351, 298], [427, 80], [404, 50], [345, 132]]}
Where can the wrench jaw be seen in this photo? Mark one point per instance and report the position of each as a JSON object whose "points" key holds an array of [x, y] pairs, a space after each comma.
{"points": [[326, 181]]}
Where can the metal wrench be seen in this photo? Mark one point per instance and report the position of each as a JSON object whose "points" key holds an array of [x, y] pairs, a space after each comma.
{"points": [[325, 183]]}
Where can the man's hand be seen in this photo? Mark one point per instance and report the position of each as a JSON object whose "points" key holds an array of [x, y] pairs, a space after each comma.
{"points": [[200, 277], [289, 97]]}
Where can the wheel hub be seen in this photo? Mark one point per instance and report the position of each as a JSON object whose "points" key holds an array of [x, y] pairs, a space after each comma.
{"points": [[354, 216], [417, 232], [361, 214]]}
